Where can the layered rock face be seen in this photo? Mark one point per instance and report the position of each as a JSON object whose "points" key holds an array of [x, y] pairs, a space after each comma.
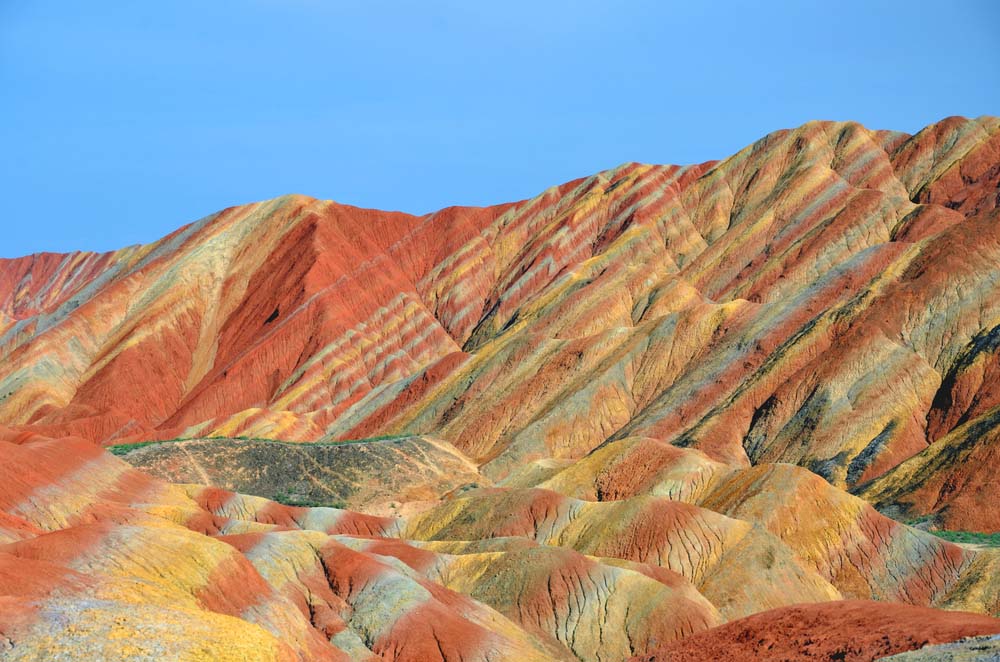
{"points": [[582, 426]]}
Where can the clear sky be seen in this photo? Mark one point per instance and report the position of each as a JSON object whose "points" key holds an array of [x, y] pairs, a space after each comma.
{"points": [[121, 121]]}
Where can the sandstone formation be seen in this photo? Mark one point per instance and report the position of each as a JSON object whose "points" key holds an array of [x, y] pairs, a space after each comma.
{"points": [[655, 402]]}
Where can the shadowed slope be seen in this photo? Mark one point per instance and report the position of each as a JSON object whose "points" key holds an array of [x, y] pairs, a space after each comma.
{"points": [[953, 482]]}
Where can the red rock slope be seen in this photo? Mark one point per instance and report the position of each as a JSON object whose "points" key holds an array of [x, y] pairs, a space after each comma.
{"points": [[630, 409], [816, 298]]}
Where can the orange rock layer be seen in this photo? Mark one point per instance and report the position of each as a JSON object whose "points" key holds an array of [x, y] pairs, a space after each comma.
{"points": [[629, 409]]}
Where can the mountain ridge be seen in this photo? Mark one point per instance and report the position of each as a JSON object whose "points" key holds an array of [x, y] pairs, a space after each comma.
{"points": [[681, 388]]}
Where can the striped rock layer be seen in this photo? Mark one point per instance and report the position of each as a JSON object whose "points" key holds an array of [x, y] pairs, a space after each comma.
{"points": [[609, 417]]}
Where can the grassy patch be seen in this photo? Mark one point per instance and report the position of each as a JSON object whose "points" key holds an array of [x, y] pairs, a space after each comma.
{"points": [[917, 521], [384, 437], [295, 500], [125, 449], [970, 537], [365, 440]]}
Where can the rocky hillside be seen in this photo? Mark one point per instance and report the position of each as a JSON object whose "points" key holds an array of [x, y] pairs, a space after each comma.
{"points": [[581, 426]]}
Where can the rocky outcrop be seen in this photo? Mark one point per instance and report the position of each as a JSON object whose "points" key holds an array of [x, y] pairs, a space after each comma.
{"points": [[583, 425]]}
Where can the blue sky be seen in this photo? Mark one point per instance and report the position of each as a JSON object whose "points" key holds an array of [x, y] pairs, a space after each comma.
{"points": [[120, 122]]}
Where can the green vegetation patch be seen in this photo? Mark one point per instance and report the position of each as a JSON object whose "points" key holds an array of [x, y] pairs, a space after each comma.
{"points": [[384, 437], [305, 502], [917, 521], [970, 537], [125, 449], [341, 442]]}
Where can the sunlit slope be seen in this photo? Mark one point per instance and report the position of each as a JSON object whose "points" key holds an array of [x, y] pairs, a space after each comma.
{"points": [[98, 558], [581, 426], [821, 298]]}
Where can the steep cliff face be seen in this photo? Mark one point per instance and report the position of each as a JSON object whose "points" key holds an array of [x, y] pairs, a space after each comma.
{"points": [[619, 413]]}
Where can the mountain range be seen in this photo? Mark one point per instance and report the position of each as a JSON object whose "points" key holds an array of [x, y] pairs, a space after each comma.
{"points": [[652, 413]]}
